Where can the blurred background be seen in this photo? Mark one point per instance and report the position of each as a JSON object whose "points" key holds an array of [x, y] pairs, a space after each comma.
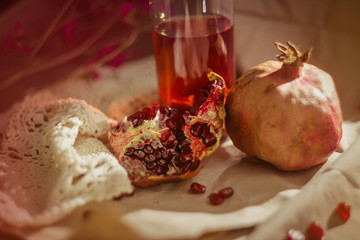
{"points": [[44, 42]]}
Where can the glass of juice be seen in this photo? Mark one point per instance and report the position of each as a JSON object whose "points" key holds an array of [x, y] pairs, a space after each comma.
{"points": [[190, 38]]}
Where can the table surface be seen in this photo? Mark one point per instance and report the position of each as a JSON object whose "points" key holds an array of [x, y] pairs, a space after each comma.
{"points": [[266, 202]]}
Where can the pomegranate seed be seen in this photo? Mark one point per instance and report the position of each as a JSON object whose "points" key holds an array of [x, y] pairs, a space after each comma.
{"points": [[157, 153], [148, 148], [195, 165], [162, 162], [186, 148], [196, 129], [165, 110], [165, 153], [210, 139], [150, 165], [343, 209], [194, 108], [129, 151], [205, 131], [135, 122], [160, 170], [149, 158], [295, 235], [215, 199], [171, 141], [171, 124], [186, 157], [139, 154], [314, 232], [226, 192], [146, 113], [174, 158], [164, 136], [197, 188], [186, 166], [140, 122]]}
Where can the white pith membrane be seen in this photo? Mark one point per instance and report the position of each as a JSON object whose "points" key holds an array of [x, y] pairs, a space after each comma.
{"points": [[53, 159]]}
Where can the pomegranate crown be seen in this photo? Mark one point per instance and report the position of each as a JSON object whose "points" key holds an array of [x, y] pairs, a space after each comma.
{"points": [[291, 55]]}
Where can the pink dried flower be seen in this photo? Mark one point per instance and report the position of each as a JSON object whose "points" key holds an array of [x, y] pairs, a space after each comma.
{"points": [[117, 61], [10, 46], [68, 31], [96, 74], [126, 8], [144, 4], [18, 29], [105, 51]]}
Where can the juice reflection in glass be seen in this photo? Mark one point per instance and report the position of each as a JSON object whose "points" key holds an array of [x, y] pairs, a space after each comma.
{"points": [[196, 37]]}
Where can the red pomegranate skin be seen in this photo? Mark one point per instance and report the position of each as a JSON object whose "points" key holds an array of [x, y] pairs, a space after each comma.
{"points": [[289, 116]]}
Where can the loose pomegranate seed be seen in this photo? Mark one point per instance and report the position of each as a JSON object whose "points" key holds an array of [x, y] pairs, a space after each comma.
{"points": [[215, 199], [226, 192], [343, 209], [314, 232], [295, 235], [197, 188]]}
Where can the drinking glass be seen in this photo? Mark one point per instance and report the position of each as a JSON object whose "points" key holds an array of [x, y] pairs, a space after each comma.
{"points": [[190, 38]]}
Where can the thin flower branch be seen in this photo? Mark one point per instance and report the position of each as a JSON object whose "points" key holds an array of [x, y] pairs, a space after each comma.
{"points": [[51, 27], [72, 16]]}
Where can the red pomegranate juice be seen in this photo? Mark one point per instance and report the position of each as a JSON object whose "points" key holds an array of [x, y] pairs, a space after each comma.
{"points": [[185, 49]]}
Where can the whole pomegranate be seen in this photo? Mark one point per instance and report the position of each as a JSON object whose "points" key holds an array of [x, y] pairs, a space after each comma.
{"points": [[285, 112], [160, 144]]}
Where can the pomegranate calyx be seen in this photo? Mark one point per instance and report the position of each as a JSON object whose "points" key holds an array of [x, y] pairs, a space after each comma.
{"points": [[291, 56]]}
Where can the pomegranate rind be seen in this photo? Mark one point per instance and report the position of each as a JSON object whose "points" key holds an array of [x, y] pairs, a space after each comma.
{"points": [[156, 180], [125, 135]]}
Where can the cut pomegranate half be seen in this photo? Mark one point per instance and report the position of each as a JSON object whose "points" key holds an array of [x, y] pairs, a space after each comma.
{"points": [[160, 144]]}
